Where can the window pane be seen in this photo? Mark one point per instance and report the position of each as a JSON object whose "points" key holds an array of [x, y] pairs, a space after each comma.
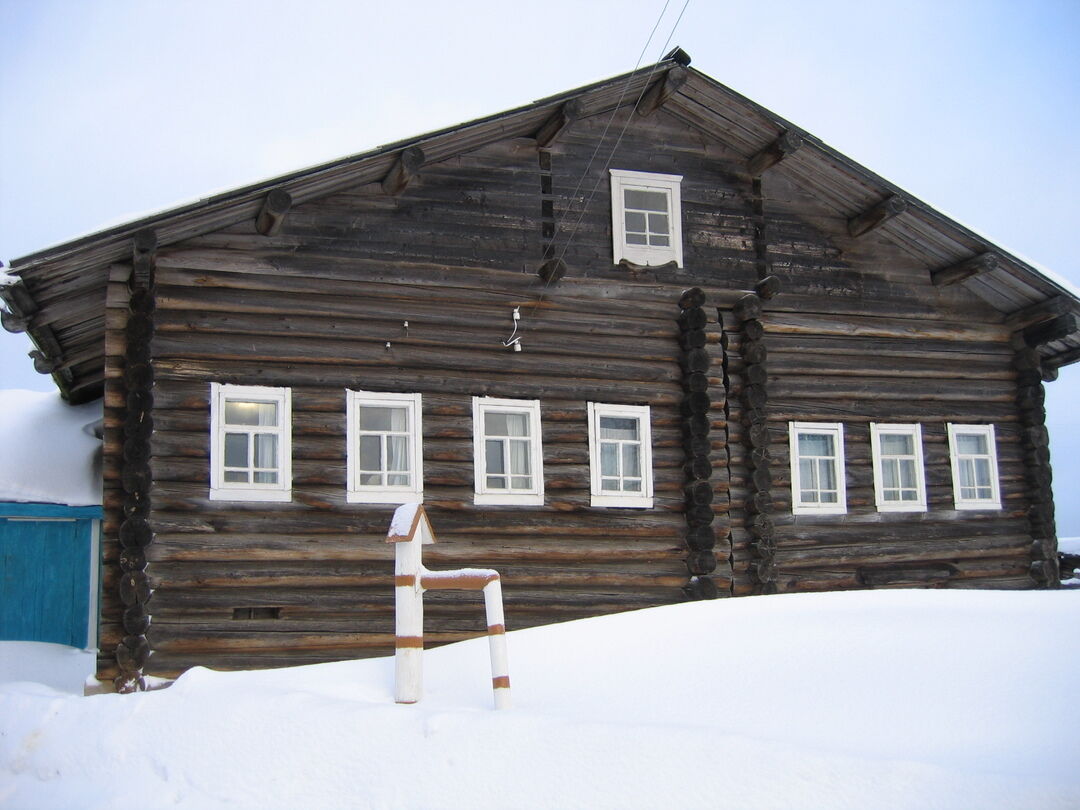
{"points": [[506, 424], [659, 241], [610, 484], [815, 444], [967, 472], [236, 450], [908, 495], [521, 482], [907, 473], [397, 480], [236, 477], [496, 482], [517, 424], [266, 478], [374, 417], [971, 444], [658, 223], [646, 200], [637, 239], [828, 497], [241, 412], [370, 453], [265, 450], [493, 454], [609, 458], [890, 477], [982, 472], [397, 452], [494, 423], [631, 460], [371, 479], [893, 444], [827, 472], [632, 485], [519, 458], [635, 221], [807, 474], [612, 427]]}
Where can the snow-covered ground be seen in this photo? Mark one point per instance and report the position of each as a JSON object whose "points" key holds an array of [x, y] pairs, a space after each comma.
{"points": [[882, 699]]}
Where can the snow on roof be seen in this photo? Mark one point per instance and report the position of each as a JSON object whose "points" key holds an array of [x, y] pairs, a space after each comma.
{"points": [[47, 453]]}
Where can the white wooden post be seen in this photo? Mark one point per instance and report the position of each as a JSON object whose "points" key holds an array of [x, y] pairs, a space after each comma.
{"points": [[409, 529]]}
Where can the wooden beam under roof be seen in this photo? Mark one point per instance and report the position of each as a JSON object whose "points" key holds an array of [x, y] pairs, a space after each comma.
{"points": [[661, 90], [973, 266], [406, 166], [566, 114], [1040, 334], [1038, 312], [787, 144], [877, 215], [272, 214]]}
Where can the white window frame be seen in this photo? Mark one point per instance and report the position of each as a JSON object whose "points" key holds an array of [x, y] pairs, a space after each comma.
{"points": [[994, 501], [222, 490], [878, 430], [384, 493], [836, 429], [602, 497], [484, 495], [670, 184]]}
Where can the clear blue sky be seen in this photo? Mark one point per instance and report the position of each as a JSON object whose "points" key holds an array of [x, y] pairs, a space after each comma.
{"points": [[111, 109]]}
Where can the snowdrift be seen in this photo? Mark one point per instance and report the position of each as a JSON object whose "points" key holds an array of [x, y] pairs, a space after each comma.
{"points": [[883, 699]]}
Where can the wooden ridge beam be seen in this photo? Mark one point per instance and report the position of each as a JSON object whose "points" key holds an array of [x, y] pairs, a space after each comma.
{"points": [[973, 266], [876, 215], [1039, 312], [569, 112], [786, 145], [406, 166], [662, 90], [678, 56], [272, 214], [1040, 334]]}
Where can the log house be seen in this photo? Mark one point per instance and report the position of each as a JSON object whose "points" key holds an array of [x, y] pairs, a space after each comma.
{"points": [[750, 365]]}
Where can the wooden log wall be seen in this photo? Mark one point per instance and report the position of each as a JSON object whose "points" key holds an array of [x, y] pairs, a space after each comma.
{"points": [[313, 308], [413, 292], [862, 335]]}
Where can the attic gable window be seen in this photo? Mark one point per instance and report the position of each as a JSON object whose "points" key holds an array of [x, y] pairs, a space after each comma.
{"points": [[250, 443], [973, 453], [646, 217], [384, 459]]}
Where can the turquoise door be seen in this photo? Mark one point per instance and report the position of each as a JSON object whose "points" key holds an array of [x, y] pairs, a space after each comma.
{"points": [[45, 579]]}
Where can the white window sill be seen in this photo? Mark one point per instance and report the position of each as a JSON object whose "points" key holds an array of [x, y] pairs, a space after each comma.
{"points": [[907, 507], [825, 510], [623, 501], [256, 495], [508, 499], [383, 496], [973, 505]]}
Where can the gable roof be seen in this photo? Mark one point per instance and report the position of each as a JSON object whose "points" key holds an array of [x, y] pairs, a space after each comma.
{"points": [[61, 290]]}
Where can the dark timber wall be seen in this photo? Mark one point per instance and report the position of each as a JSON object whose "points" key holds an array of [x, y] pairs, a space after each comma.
{"points": [[857, 334]]}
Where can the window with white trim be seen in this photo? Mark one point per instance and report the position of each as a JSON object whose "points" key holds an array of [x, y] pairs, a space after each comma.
{"points": [[817, 468], [646, 217], [384, 461], [973, 455], [250, 443], [899, 481], [507, 451], [620, 455]]}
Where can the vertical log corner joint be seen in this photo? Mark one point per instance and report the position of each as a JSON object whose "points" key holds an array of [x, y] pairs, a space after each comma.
{"points": [[698, 489], [136, 533]]}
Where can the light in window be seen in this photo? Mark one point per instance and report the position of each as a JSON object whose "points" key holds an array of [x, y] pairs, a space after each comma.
{"points": [[817, 468], [899, 484], [508, 456], [250, 443], [621, 455], [385, 459], [973, 455]]}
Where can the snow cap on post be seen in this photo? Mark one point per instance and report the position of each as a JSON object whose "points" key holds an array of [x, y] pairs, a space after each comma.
{"points": [[408, 519]]}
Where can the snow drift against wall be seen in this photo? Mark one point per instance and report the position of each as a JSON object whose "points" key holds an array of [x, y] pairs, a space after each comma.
{"points": [[47, 452]]}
